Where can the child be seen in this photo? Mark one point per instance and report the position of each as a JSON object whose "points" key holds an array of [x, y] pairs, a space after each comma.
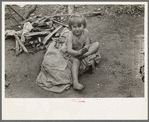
{"points": [[77, 47]]}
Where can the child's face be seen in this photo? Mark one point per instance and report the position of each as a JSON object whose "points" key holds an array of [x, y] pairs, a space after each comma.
{"points": [[77, 30]]}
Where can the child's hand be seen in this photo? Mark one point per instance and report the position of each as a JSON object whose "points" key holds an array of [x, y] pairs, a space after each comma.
{"points": [[86, 46], [80, 57], [84, 50], [80, 52]]}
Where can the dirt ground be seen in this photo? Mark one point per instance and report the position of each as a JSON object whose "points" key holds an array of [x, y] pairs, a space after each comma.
{"points": [[121, 41]]}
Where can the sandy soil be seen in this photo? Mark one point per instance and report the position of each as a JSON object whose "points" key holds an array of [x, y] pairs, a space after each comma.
{"points": [[117, 75]]}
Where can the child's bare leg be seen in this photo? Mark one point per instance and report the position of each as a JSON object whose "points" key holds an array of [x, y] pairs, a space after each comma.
{"points": [[75, 69], [92, 49]]}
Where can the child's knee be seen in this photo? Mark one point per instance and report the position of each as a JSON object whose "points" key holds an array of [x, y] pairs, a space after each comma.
{"points": [[95, 45]]}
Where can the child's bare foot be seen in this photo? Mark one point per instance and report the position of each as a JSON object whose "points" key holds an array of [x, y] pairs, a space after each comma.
{"points": [[78, 86]]}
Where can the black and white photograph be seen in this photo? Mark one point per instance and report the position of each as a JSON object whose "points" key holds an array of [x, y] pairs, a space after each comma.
{"points": [[78, 51]]}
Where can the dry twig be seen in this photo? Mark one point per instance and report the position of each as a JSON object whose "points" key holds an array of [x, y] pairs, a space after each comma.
{"points": [[50, 35]]}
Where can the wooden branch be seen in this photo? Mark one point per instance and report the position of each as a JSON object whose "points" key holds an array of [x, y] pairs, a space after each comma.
{"points": [[40, 19], [60, 23], [48, 17], [31, 10], [92, 14], [50, 35], [21, 44], [31, 19], [84, 14], [39, 39], [16, 12], [18, 48], [13, 16], [36, 33]]}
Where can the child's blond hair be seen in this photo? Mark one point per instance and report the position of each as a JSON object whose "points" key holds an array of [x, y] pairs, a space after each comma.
{"points": [[77, 19]]}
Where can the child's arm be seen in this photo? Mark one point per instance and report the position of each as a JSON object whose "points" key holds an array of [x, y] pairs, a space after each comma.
{"points": [[87, 41], [87, 45], [69, 47]]}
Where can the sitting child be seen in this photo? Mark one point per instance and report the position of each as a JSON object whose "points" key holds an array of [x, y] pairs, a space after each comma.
{"points": [[78, 49]]}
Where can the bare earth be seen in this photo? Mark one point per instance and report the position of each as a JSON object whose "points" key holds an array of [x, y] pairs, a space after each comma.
{"points": [[117, 75]]}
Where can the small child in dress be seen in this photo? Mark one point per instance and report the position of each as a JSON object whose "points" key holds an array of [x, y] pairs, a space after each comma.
{"points": [[77, 47]]}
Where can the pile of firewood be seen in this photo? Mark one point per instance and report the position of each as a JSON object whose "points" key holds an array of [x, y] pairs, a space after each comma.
{"points": [[37, 32]]}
